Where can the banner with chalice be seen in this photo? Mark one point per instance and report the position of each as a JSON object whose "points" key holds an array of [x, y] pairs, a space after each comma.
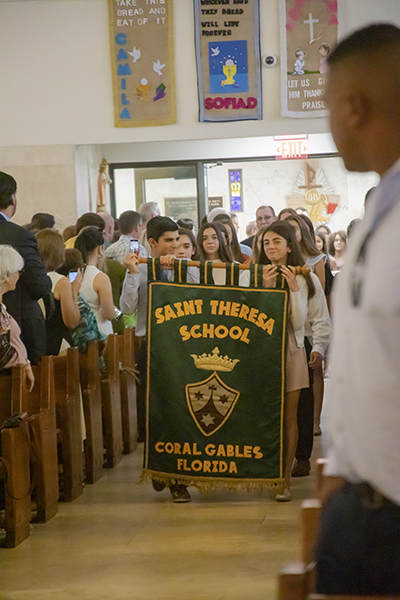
{"points": [[228, 59], [215, 392]]}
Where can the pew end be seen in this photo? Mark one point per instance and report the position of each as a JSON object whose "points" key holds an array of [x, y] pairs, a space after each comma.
{"points": [[15, 472], [91, 396], [69, 422], [295, 581], [111, 405], [319, 474], [40, 403], [126, 359]]}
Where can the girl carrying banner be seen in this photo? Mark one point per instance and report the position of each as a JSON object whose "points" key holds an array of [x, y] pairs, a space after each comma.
{"points": [[213, 243], [279, 248]]}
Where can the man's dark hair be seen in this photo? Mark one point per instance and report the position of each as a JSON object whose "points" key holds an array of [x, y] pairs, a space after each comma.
{"points": [[128, 220], [186, 224], [366, 42], [157, 226], [89, 219], [8, 187], [43, 221]]}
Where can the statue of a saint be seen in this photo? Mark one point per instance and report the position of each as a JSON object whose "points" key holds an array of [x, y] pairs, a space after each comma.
{"points": [[103, 181]]}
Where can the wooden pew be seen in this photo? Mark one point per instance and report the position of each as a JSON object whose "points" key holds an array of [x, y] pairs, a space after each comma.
{"points": [[111, 405], [320, 464], [91, 396], [297, 581], [5, 397], [40, 403], [69, 422], [126, 359], [14, 472], [324, 597]]}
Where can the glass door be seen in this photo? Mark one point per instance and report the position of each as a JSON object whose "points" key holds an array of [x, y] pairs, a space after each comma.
{"points": [[173, 187]]}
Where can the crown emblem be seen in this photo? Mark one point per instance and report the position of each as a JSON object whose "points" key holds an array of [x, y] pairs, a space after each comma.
{"points": [[214, 362]]}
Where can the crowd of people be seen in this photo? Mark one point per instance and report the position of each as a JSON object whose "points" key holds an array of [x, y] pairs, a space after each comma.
{"points": [[57, 290], [88, 282]]}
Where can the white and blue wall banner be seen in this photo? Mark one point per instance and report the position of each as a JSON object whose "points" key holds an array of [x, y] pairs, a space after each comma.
{"points": [[309, 31], [142, 62], [228, 58]]}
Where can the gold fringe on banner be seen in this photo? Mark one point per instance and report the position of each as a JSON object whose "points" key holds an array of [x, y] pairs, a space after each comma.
{"points": [[206, 485]]}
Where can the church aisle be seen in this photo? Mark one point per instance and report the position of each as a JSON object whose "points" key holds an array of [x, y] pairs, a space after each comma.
{"points": [[123, 541]]}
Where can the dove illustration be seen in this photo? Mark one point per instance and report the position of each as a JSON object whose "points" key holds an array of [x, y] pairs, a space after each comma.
{"points": [[215, 51], [157, 66], [136, 54]]}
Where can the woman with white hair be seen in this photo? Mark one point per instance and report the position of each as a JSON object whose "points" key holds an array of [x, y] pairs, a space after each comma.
{"points": [[12, 350]]}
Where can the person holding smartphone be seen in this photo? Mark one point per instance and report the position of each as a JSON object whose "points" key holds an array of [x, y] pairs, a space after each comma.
{"points": [[130, 226], [64, 315], [96, 285]]}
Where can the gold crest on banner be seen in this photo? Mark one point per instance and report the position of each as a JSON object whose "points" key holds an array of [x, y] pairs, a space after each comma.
{"points": [[211, 401]]}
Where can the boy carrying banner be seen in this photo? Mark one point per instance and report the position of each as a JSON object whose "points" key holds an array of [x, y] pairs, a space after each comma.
{"points": [[163, 236]]}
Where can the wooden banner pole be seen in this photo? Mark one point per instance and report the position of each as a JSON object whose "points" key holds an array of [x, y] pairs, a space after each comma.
{"points": [[217, 264]]}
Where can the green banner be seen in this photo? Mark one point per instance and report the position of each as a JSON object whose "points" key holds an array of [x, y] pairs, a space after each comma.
{"points": [[215, 388]]}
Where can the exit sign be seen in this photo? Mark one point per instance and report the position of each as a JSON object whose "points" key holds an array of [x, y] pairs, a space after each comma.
{"points": [[291, 146]]}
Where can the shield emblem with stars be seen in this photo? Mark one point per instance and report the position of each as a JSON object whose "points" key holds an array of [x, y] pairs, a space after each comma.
{"points": [[211, 403]]}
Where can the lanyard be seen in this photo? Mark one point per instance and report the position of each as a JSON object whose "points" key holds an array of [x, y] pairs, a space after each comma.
{"points": [[389, 197]]}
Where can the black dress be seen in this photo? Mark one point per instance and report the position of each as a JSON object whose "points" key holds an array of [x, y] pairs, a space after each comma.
{"points": [[56, 330]]}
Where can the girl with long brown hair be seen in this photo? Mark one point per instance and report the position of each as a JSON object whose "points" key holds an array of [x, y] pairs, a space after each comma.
{"points": [[280, 249]]}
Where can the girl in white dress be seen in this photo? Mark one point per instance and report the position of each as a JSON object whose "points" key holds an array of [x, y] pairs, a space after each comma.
{"points": [[96, 286]]}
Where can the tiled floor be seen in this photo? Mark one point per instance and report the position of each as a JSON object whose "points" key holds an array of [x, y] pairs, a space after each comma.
{"points": [[122, 541]]}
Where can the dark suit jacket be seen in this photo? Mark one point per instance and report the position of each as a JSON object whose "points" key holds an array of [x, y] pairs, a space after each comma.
{"points": [[32, 285], [248, 241]]}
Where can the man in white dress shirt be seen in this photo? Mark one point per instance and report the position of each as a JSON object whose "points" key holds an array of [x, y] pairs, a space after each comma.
{"points": [[358, 551]]}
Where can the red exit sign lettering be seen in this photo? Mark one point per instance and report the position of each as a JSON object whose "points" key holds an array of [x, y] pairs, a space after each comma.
{"points": [[291, 146]]}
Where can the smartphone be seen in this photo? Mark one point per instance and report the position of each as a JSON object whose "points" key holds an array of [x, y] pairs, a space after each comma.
{"points": [[118, 314], [72, 274], [134, 246]]}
